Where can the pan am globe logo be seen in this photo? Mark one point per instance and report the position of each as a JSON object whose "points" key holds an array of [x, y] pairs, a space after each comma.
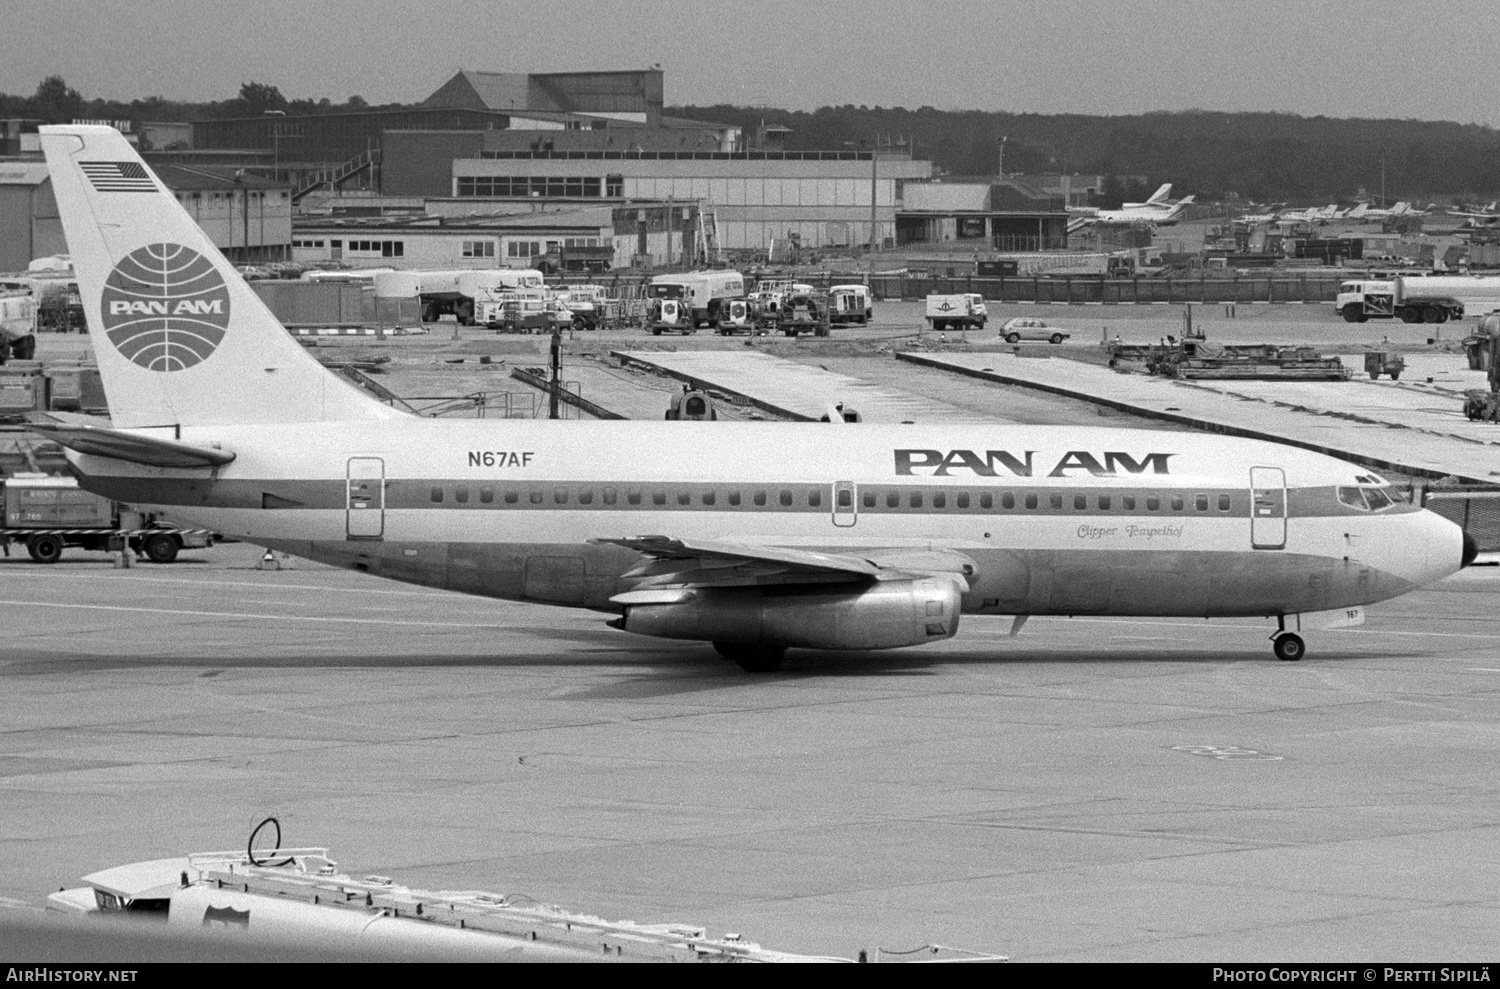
{"points": [[165, 307]]}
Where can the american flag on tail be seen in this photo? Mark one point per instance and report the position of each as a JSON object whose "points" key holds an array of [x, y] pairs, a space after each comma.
{"points": [[118, 176]]}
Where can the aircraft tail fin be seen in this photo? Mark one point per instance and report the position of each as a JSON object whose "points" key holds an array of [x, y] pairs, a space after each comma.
{"points": [[180, 337]]}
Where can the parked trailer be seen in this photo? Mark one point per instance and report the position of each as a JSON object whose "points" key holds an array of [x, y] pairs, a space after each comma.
{"points": [[49, 514]]}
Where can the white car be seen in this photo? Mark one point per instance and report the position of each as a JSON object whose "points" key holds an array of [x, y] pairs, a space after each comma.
{"points": [[1030, 328]]}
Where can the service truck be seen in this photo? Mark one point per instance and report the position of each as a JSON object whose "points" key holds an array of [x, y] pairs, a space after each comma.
{"points": [[456, 293], [955, 312], [1417, 298], [681, 303], [17, 326], [48, 514], [849, 304]]}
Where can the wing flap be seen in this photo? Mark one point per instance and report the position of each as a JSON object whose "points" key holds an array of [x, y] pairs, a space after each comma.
{"points": [[101, 441]]}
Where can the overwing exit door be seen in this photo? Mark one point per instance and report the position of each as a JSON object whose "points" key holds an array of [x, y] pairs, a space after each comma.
{"points": [[365, 498], [1267, 508]]}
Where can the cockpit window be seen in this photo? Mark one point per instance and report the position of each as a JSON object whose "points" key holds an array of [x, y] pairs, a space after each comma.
{"points": [[1354, 498], [1377, 499]]}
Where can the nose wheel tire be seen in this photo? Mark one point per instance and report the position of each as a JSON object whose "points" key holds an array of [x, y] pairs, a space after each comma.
{"points": [[1289, 647], [752, 657]]}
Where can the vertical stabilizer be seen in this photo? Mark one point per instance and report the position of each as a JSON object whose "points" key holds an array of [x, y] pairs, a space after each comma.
{"points": [[180, 338]]}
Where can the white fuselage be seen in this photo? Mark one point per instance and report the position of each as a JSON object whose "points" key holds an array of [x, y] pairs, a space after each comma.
{"points": [[1057, 520]]}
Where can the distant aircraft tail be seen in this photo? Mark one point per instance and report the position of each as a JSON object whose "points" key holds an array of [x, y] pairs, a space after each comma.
{"points": [[179, 336], [1159, 197]]}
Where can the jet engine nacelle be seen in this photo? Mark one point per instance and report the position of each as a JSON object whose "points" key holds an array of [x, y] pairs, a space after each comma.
{"points": [[883, 615]]}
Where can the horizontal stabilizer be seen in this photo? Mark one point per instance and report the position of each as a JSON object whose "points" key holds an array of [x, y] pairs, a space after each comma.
{"points": [[101, 441]]}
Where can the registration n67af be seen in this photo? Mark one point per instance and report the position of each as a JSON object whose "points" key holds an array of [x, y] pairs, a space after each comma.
{"points": [[500, 458]]}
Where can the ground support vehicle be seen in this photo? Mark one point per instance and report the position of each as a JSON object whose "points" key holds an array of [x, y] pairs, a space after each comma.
{"points": [[49, 514], [586, 304], [18, 322], [698, 295], [1378, 362], [849, 304], [457, 293], [956, 312], [670, 316], [736, 317], [804, 313], [1020, 328], [522, 311], [1417, 298], [1484, 403], [1196, 358]]}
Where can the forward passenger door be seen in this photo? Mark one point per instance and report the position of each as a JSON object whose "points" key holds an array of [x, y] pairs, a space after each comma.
{"points": [[1267, 508]]}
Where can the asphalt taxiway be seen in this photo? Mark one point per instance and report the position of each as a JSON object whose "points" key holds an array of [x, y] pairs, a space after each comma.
{"points": [[1091, 789]]}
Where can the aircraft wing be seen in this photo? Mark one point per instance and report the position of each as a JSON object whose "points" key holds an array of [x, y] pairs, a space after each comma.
{"points": [[699, 562], [101, 441]]}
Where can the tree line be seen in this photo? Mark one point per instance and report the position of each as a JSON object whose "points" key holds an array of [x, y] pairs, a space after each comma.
{"points": [[1259, 157]]}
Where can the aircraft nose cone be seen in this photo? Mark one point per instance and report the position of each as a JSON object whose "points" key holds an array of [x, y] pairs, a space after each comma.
{"points": [[1471, 549]]}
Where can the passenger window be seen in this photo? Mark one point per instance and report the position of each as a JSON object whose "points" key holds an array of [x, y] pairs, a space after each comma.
{"points": [[1104, 503], [1223, 503], [1127, 502], [986, 500], [1177, 503], [760, 498], [560, 496], [846, 498], [708, 497], [734, 499], [1031, 500], [1200, 502], [915, 500], [1055, 501], [1353, 497], [814, 498], [1080, 502], [785, 498], [962, 500], [868, 499], [486, 495], [512, 497], [585, 497], [609, 496], [1007, 501], [893, 499], [437, 495], [536, 497], [658, 497], [939, 499], [684, 498], [1153, 503], [461, 495], [633, 497]]}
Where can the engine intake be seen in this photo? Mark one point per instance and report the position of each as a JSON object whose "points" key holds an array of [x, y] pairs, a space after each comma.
{"points": [[882, 615]]}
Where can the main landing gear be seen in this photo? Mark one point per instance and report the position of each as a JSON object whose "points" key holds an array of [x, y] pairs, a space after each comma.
{"points": [[1288, 646]]}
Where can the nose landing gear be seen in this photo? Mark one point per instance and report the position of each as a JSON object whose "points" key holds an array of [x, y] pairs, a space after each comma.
{"points": [[1288, 646]]}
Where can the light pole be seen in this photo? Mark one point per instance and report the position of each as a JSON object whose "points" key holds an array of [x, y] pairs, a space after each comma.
{"points": [[276, 143], [1002, 155]]}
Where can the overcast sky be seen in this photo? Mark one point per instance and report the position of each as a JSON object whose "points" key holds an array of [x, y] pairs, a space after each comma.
{"points": [[1345, 58]]}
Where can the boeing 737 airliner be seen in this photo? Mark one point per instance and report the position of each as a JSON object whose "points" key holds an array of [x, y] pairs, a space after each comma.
{"points": [[754, 537]]}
